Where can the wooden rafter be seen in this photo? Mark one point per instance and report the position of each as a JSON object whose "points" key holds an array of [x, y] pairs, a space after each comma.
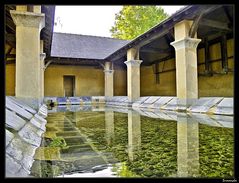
{"points": [[215, 24], [198, 18]]}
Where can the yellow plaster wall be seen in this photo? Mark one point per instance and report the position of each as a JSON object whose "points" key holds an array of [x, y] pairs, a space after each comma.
{"points": [[88, 80], [217, 85], [167, 84], [120, 82], [10, 79]]}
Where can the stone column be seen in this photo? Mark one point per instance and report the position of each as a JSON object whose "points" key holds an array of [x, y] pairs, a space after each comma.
{"points": [[187, 146], [42, 62], [109, 80], [28, 66], [186, 65], [134, 133], [133, 74], [109, 126]]}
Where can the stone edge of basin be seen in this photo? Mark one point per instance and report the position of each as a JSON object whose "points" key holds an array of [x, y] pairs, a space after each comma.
{"points": [[206, 105], [20, 145]]}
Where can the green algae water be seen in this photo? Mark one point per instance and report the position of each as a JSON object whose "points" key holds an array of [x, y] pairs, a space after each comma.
{"points": [[113, 144]]}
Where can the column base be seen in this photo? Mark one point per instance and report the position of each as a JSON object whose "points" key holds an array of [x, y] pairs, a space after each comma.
{"points": [[183, 104]]}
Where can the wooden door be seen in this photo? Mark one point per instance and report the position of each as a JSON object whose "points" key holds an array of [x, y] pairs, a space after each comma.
{"points": [[69, 86]]}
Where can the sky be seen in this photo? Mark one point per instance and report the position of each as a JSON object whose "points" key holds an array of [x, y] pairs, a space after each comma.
{"points": [[91, 20]]}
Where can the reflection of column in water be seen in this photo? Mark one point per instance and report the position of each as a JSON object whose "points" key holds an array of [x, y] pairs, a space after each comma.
{"points": [[134, 133], [109, 126], [188, 146]]}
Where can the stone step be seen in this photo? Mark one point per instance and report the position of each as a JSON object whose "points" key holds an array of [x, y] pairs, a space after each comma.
{"points": [[77, 140], [77, 149], [67, 134]]}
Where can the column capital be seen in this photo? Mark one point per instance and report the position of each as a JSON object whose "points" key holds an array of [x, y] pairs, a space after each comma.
{"points": [[107, 71], [28, 19], [133, 63], [185, 43]]}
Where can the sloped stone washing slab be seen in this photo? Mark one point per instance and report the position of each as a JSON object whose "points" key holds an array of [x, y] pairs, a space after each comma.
{"points": [[225, 107], [9, 136], [149, 101], [162, 101], [22, 104], [20, 111], [171, 105], [31, 134], [204, 104], [137, 103], [14, 121], [21, 152]]}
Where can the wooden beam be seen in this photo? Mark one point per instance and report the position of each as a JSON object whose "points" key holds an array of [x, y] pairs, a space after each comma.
{"points": [[10, 56], [195, 25], [207, 56], [202, 13], [10, 24], [162, 59], [215, 24], [10, 62], [11, 40], [215, 41], [224, 53], [228, 14]]}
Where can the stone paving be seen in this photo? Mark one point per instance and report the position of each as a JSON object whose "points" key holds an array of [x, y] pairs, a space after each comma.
{"points": [[24, 129]]}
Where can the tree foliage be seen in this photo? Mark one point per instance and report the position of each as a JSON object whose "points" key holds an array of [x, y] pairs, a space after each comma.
{"points": [[132, 21]]}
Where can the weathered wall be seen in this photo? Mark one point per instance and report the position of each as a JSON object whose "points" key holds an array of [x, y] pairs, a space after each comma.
{"points": [[216, 85], [10, 73], [10, 79], [120, 82], [88, 80], [167, 80]]}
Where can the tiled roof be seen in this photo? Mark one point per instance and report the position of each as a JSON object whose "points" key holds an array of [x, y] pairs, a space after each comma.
{"points": [[67, 45]]}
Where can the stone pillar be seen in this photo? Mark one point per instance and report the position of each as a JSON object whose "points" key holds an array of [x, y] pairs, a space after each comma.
{"points": [[186, 65], [133, 74], [42, 62], [28, 66], [109, 126], [109, 80], [134, 133], [187, 146]]}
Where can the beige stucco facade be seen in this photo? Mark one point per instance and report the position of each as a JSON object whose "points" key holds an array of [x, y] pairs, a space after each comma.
{"points": [[89, 81]]}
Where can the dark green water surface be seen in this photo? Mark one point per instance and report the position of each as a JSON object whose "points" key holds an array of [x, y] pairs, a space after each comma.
{"points": [[113, 144]]}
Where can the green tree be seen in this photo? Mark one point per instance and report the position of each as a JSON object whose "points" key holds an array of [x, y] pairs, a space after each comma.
{"points": [[132, 21]]}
